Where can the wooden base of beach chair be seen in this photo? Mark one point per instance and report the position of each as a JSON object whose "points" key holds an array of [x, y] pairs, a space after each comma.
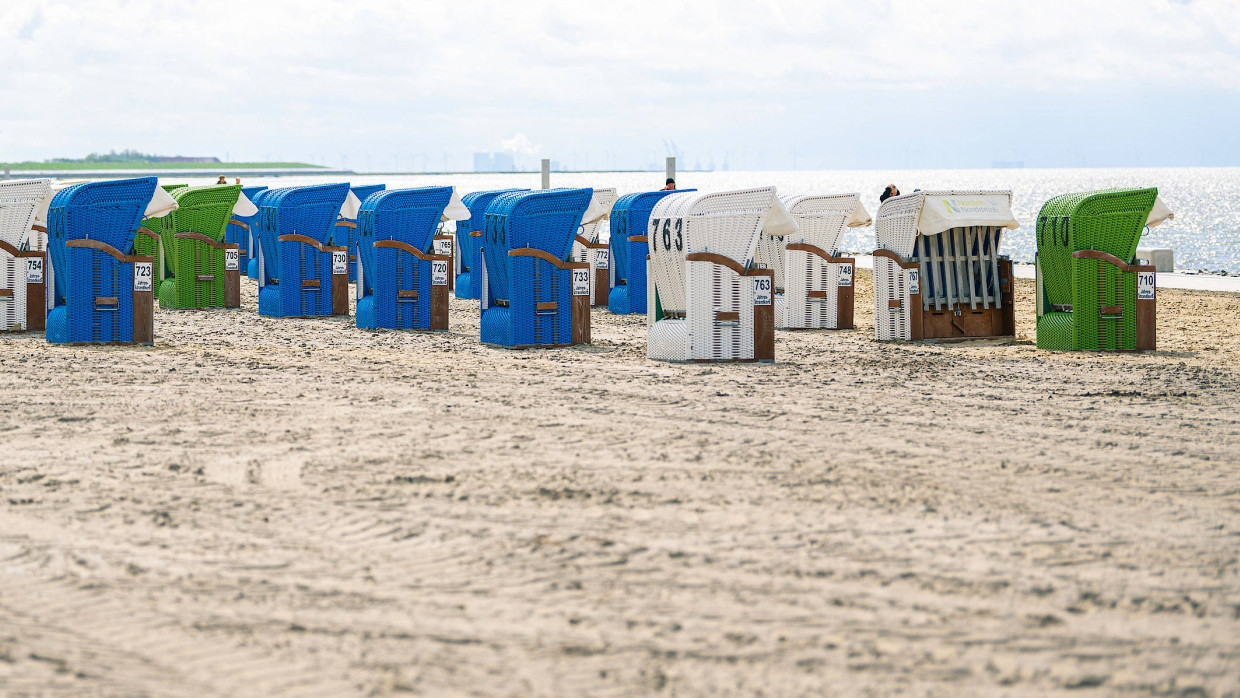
{"points": [[444, 246], [1147, 309], [581, 305], [36, 290], [340, 279]]}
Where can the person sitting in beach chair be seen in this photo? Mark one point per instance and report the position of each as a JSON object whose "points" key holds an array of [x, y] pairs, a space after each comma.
{"points": [[938, 273], [468, 260], [813, 285], [402, 284], [238, 230], [532, 295], [203, 270], [299, 273], [1092, 294], [22, 306], [706, 300], [590, 249], [344, 234], [102, 293], [629, 248]]}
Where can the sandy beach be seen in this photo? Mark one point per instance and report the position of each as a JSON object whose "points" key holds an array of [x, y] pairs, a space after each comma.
{"points": [[263, 507]]}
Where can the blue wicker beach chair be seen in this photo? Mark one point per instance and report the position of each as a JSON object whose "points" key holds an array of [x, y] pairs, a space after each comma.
{"points": [[344, 234], [531, 294], [469, 241], [238, 232], [402, 286], [629, 219], [255, 224], [102, 293], [298, 273]]}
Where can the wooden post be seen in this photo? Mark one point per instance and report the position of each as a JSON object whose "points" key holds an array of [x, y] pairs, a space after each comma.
{"points": [[763, 315], [581, 302], [441, 277], [143, 300], [232, 275], [546, 173], [671, 168], [444, 245], [1007, 288], [914, 309], [1147, 307], [36, 289], [340, 279], [844, 301]]}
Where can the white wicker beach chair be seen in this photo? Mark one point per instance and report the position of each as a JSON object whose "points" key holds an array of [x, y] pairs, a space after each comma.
{"points": [[706, 300], [23, 261], [938, 273], [589, 248], [813, 285]]}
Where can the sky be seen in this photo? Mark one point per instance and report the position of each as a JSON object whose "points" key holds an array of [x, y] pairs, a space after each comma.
{"points": [[387, 85]]}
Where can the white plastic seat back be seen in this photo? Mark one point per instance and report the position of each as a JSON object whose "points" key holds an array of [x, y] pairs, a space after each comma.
{"points": [[596, 218], [19, 202], [821, 221]]}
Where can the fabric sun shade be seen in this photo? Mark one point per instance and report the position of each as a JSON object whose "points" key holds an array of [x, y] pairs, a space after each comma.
{"points": [[595, 211], [1159, 214], [160, 205], [778, 221], [244, 206], [456, 209], [859, 217], [944, 212]]}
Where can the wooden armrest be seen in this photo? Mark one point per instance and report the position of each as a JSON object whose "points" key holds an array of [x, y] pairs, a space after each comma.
{"points": [[895, 258], [295, 237], [1102, 257], [104, 247], [546, 257], [203, 238], [639, 238], [406, 247], [818, 251], [239, 224], [346, 224]]}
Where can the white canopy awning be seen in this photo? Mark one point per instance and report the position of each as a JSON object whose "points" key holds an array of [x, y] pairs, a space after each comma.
{"points": [[599, 208], [859, 217], [778, 221], [1159, 214], [941, 212], [244, 206], [350, 206], [160, 205], [456, 209]]}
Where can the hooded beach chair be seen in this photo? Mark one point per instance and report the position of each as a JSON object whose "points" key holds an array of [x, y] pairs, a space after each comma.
{"points": [[938, 274], [344, 233], [813, 284], [532, 295], [469, 242], [22, 269], [149, 241], [256, 244], [299, 273], [629, 220], [101, 292], [1092, 293], [238, 230], [592, 250], [402, 284], [706, 300], [203, 271]]}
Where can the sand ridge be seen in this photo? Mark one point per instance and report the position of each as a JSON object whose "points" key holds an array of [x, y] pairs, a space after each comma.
{"points": [[294, 507]]}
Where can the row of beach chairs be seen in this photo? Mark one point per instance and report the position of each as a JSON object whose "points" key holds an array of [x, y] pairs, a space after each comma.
{"points": [[715, 273]]}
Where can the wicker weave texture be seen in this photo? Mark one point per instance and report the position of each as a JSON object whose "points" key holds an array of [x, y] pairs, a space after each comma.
{"points": [[592, 232], [469, 247], [289, 265], [108, 212], [196, 269], [821, 222], [394, 291], [724, 223], [630, 217], [1076, 290], [19, 200], [541, 220]]}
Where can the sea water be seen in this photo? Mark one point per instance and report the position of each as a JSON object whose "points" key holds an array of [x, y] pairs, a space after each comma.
{"points": [[1205, 233]]}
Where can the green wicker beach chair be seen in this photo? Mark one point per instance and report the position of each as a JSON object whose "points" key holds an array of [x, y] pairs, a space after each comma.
{"points": [[147, 242], [1091, 294], [194, 249]]}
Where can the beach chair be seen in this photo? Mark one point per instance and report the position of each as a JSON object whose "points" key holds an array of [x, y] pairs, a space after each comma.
{"points": [[402, 284], [628, 243], [706, 300], [938, 274], [203, 271], [532, 295], [468, 261], [256, 244], [344, 234], [299, 273], [590, 249], [238, 230], [149, 241], [813, 284], [101, 292], [1092, 294], [22, 269]]}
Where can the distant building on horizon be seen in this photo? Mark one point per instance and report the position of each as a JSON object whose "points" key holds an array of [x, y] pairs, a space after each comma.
{"points": [[494, 162]]}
